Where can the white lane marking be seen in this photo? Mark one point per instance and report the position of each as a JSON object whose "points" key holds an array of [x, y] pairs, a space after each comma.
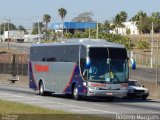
{"points": [[153, 104], [94, 110], [75, 106], [118, 106]]}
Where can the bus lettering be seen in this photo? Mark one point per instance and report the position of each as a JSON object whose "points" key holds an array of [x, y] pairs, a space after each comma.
{"points": [[98, 85], [41, 68]]}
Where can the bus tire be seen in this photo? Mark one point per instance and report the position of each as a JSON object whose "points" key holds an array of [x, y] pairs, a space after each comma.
{"points": [[144, 98], [110, 99], [76, 93], [41, 89]]}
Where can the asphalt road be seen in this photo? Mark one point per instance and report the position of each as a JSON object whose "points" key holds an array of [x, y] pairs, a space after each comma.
{"points": [[94, 107]]}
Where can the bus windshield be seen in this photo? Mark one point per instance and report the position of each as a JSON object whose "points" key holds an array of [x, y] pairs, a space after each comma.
{"points": [[107, 69]]}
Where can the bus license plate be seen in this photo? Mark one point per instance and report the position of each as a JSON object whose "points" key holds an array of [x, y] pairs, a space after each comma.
{"points": [[109, 93]]}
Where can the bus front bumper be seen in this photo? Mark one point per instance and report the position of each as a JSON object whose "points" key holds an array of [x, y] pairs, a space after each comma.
{"points": [[107, 93]]}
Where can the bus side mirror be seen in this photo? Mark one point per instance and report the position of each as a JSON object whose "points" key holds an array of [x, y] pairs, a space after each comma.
{"points": [[133, 63], [88, 63], [108, 61]]}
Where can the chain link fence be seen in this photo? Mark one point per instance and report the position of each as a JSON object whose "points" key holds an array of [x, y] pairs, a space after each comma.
{"points": [[15, 64], [16, 69], [146, 74]]}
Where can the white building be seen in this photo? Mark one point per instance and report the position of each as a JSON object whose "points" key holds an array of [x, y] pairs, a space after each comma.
{"points": [[129, 26]]}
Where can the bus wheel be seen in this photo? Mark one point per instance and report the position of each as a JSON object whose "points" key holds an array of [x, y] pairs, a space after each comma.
{"points": [[41, 89], [110, 99], [75, 93]]}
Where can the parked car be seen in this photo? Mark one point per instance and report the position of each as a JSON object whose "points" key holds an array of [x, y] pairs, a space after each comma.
{"points": [[137, 90]]}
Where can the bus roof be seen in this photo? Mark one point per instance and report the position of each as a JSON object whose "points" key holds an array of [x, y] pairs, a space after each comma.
{"points": [[85, 42]]}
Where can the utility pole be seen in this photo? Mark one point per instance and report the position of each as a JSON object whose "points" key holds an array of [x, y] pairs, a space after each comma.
{"points": [[157, 55], [39, 39], [97, 30], [62, 30], [8, 31], [89, 32], [3, 31], [152, 46]]}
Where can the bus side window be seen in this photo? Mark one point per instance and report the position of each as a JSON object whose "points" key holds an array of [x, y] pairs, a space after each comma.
{"points": [[82, 64], [83, 54], [51, 59], [43, 59]]}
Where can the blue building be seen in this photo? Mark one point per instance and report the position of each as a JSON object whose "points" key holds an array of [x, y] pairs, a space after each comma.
{"points": [[73, 26]]}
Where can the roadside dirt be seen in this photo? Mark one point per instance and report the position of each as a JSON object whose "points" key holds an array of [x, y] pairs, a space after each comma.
{"points": [[23, 80]]}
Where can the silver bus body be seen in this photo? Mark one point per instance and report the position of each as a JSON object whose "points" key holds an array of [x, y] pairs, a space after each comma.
{"points": [[61, 68]]}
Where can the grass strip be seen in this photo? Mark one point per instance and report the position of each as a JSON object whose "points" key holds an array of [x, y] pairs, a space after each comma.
{"points": [[19, 111]]}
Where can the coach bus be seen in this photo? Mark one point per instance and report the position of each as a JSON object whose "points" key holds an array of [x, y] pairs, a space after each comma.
{"points": [[79, 67]]}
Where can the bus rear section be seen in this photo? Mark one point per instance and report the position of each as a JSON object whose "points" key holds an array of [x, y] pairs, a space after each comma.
{"points": [[53, 68]]}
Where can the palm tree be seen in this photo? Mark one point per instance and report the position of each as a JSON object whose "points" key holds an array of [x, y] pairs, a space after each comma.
{"points": [[37, 27], [117, 21], [21, 27], [62, 12], [106, 26], [123, 16], [139, 16], [46, 19]]}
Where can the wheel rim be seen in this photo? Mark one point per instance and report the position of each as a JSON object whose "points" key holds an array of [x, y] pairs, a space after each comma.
{"points": [[75, 93], [41, 88]]}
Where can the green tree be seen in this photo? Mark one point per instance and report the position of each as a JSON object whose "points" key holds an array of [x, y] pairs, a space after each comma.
{"points": [[128, 31], [46, 19], [62, 13], [139, 16], [106, 26], [143, 22], [155, 15], [156, 21], [117, 21], [84, 17], [21, 27], [142, 44], [11, 26], [144, 26], [123, 16], [35, 27]]}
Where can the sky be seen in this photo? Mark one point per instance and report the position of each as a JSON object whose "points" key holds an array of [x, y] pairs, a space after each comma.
{"points": [[26, 12]]}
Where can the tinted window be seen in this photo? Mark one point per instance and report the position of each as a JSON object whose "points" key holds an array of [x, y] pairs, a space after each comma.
{"points": [[133, 83], [83, 55], [71, 53], [68, 53], [117, 53], [98, 53], [39, 53]]}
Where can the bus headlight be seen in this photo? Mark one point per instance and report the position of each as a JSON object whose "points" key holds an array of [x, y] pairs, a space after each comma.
{"points": [[84, 84]]}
